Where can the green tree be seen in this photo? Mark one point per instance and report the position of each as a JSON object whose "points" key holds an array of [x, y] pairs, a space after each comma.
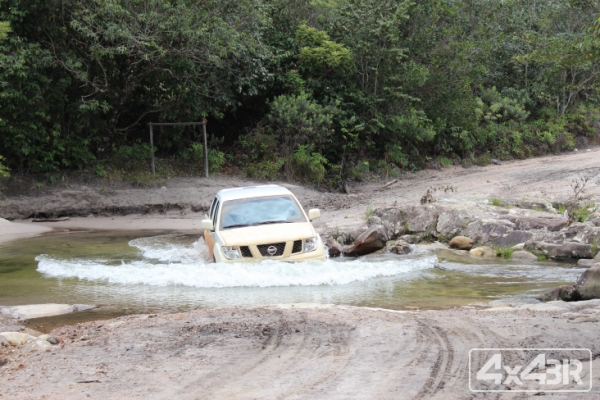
{"points": [[302, 124], [4, 31]]}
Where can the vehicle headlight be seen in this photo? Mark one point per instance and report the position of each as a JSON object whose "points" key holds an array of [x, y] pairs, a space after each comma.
{"points": [[310, 244], [231, 252]]}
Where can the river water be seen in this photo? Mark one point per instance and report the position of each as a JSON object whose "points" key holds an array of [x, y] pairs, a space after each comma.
{"points": [[146, 272]]}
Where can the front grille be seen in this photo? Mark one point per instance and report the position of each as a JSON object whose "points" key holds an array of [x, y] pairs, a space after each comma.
{"points": [[297, 246], [246, 251], [263, 248]]}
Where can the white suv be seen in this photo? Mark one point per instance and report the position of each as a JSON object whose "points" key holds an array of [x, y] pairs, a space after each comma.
{"points": [[261, 222]]}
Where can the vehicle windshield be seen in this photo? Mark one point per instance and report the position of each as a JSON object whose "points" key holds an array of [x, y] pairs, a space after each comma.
{"points": [[260, 210]]}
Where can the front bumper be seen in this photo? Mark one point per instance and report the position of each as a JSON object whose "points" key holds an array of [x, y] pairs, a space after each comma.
{"points": [[288, 255]]}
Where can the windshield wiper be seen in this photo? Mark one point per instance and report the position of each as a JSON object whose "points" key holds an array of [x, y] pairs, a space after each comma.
{"points": [[273, 222], [236, 226]]}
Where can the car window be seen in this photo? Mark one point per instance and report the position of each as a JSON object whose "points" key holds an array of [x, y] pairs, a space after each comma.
{"points": [[260, 210], [216, 212], [212, 208]]}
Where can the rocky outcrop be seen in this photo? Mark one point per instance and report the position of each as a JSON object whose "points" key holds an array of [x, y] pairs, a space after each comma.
{"points": [[373, 239], [461, 243], [586, 288], [561, 251], [535, 231], [529, 223]]}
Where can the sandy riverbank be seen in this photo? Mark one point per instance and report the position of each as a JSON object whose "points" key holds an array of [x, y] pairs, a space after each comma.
{"points": [[294, 351]]}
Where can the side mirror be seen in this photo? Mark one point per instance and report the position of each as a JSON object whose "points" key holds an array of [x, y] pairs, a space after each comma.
{"points": [[314, 214], [207, 225]]}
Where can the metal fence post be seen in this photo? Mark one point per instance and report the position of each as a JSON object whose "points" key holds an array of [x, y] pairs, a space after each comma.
{"points": [[152, 148], [205, 150]]}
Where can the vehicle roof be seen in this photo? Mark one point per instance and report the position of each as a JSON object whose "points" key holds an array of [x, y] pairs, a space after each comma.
{"points": [[252, 191]]}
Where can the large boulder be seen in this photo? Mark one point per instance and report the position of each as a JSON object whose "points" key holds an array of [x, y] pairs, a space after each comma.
{"points": [[586, 288], [571, 250], [421, 219], [485, 230], [568, 250], [461, 243], [512, 238], [580, 232], [588, 284], [585, 262], [373, 239], [594, 218], [564, 293], [451, 222], [392, 219]]}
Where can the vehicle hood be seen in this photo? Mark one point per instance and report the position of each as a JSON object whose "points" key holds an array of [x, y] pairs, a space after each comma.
{"points": [[266, 234]]}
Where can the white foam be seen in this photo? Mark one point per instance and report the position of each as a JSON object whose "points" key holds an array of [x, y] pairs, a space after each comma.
{"points": [[200, 274], [165, 248], [172, 260]]}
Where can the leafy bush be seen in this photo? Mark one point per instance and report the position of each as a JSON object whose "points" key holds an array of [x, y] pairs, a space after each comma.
{"points": [[216, 158], [264, 170], [3, 169], [308, 167], [132, 158], [359, 170]]}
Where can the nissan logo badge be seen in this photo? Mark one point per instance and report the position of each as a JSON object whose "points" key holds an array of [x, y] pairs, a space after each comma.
{"points": [[272, 250]]}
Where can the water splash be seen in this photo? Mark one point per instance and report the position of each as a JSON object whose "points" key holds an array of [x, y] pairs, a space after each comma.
{"points": [[167, 261]]}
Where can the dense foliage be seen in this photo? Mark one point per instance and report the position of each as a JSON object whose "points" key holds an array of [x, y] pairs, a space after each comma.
{"points": [[311, 89]]}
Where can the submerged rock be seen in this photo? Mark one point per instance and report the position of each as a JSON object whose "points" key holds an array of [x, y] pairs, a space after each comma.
{"points": [[585, 262], [42, 310], [523, 255], [482, 252], [401, 247], [333, 248]]}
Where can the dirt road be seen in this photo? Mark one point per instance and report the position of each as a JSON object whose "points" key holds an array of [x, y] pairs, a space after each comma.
{"points": [[287, 353], [181, 203]]}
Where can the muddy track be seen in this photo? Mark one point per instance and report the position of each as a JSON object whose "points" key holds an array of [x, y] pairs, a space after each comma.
{"points": [[249, 353]]}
